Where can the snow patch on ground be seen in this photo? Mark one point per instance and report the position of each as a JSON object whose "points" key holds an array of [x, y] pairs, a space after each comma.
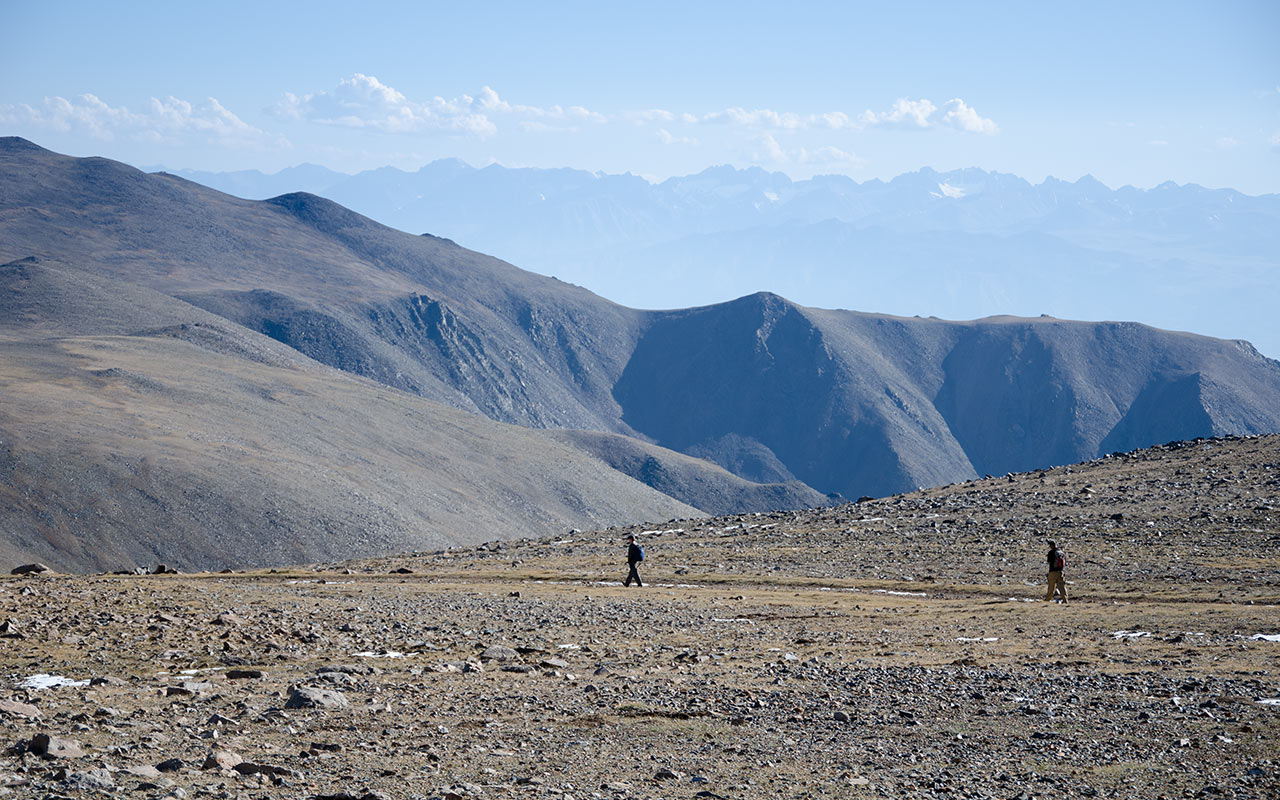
{"points": [[1130, 634], [380, 654], [1266, 637], [44, 681]]}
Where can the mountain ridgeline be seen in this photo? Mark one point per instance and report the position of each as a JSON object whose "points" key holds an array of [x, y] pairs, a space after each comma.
{"points": [[960, 244], [792, 404]]}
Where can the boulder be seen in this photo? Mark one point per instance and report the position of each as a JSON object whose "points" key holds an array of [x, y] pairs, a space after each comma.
{"points": [[15, 708], [30, 569], [46, 746], [311, 697]]}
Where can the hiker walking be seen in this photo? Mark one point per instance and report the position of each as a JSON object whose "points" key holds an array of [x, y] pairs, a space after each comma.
{"points": [[1056, 563], [635, 554]]}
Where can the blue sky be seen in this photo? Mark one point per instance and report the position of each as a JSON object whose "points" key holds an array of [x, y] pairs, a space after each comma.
{"points": [[1133, 93]]}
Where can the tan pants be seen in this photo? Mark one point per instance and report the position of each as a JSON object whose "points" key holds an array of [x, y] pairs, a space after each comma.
{"points": [[1056, 582]]}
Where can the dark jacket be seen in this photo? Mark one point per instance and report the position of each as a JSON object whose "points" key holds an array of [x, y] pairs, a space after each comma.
{"points": [[1052, 558], [634, 555]]}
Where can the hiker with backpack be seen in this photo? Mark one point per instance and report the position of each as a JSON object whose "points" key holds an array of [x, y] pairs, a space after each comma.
{"points": [[635, 554], [1056, 564]]}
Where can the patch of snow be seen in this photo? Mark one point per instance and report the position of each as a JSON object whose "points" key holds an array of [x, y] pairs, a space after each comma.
{"points": [[568, 646], [1129, 634], [380, 654], [1271, 701], [1266, 637], [564, 541], [44, 681], [1022, 600], [977, 638], [653, 532], [772, 197], [900, 594], [732, 619], [954, 192]]}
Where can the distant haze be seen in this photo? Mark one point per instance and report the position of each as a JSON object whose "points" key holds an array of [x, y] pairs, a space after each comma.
{"points": [[958, 245]]}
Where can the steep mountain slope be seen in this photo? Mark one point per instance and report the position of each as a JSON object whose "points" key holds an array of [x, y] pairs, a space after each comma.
{"points": [[846, 402], [136, 428], [870, 404], [415, 312]]}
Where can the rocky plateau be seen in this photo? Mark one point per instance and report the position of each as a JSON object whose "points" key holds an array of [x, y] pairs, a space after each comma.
{"points": [[898, 647]]}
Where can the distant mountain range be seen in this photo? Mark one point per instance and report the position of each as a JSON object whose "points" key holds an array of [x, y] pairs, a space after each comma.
{"points": [[958, 245], [194, 376]]}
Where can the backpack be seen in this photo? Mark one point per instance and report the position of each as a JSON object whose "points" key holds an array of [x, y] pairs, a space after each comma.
{"points": [[1058, 561], [641, 549]]}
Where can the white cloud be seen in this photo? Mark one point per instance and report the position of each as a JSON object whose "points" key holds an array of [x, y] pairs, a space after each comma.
{"points": [[770, 151], [363, 101], [904, 114], [1275, 142], [164, 121], [921, 114], [962, 117], [758, 118], [666, 137], [651, 115], [775, 120], [1158, 143], [491, 102]]}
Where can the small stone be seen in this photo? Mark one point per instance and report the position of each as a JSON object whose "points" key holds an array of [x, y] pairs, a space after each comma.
{"points": [[170, 765], [221, 759], [227, 618], [142, 771], [840, 716], [42, 744], [521, 668], [243, 674], [497, 652], [250, 768], [667, 774], [97, 779], [311, 697]]}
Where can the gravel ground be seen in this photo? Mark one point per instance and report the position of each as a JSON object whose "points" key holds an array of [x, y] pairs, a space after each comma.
{"points": [[893, 648]]}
